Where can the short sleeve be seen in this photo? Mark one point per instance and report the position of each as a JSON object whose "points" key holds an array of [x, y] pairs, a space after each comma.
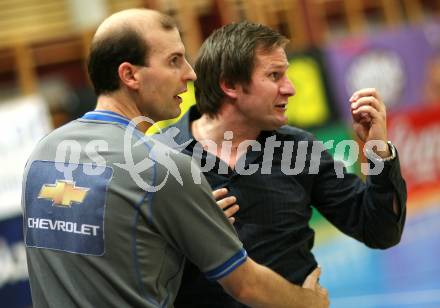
{"points": [[188, 217]]}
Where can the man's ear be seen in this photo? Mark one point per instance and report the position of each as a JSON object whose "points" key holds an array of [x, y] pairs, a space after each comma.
{"points": [[230, 90], [128, 75]]}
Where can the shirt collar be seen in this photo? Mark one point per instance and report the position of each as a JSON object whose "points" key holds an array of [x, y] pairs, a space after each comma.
{"points": [[106, 116]]}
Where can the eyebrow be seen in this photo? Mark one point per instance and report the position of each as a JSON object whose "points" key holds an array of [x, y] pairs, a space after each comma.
{"points": [[277, 66], [176, 53]]}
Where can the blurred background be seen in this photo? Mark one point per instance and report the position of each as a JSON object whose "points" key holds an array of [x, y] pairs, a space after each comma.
{"points": [[336, 46]]}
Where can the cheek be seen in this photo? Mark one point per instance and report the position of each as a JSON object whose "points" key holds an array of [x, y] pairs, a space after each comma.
{"points": [[150, 86], [267, 90], [170, 83]]}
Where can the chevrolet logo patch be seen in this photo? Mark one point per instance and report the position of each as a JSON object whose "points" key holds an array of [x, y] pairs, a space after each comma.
{"points": [[63, 193]]}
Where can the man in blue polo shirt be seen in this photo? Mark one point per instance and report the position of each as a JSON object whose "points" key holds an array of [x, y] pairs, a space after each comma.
{"points": [[107, 226]]}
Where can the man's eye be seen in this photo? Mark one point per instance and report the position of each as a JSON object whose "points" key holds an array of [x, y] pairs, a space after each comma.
{"points": [[174, 60], [274, 75]]}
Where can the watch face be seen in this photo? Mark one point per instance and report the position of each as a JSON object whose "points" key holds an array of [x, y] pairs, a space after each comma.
{"points": [[381, 69]]}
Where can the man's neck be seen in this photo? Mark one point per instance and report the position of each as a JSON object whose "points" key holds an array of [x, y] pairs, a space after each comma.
{"points": [[117, 103], [214, 128], [218, 130]]}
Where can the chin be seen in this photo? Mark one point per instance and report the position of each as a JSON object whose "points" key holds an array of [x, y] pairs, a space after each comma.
{"points": [[280, 123], [273, 123], [176, 114], [171, 116]]}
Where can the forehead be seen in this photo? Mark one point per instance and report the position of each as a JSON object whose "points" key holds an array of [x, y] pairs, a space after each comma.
{"points": [[267, 59], [164, 42]]}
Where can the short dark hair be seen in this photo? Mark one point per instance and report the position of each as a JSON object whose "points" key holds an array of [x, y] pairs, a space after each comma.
{"points": [[123, 45], [229, 54]]}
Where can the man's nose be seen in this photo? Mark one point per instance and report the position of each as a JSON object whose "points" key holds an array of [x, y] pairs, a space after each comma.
{"points": [[190, 75], [287, 87]]}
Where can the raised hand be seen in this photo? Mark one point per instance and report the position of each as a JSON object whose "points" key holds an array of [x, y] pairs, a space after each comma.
{"points": [[369, 117]]}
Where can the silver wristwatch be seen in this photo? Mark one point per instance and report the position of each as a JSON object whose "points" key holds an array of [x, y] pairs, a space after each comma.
{"points": [[371, 155]]}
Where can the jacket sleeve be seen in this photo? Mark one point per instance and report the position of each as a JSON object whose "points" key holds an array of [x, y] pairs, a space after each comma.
{"points": [[363, 210]]}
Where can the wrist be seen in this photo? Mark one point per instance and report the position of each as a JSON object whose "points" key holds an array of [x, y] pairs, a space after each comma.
{"points": [[383, 153], [389, 153]]}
